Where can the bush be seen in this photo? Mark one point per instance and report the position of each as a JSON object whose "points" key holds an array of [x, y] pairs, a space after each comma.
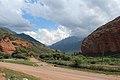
{"points": [[65, 57], [7, 56], [20, 56], [46, 56], [1, 54], [56, 56], [77, 61], [107, 61], [32, 54]]}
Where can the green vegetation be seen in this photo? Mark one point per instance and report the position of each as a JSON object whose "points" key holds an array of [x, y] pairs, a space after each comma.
{"points": [[96, 64], [23, 52], [4, 56], [14, 75], [90, 70], [18, 61], [4, 34], [39, 50]]}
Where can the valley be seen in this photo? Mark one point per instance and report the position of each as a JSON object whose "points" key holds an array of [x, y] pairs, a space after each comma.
{"points": [[96, 57]]}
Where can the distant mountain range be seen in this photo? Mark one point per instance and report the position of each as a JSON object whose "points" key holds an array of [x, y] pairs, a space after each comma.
{"points": [[70, 44]]}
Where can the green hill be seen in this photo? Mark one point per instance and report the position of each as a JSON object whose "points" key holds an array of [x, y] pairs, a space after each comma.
{"points": [[20, 45]]}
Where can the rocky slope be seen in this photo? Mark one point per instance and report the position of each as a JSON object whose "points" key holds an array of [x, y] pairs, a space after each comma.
{"points": [[6, 46], [106, 39]]}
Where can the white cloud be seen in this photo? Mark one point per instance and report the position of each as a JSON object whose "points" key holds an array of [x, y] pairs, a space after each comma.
{"points": [[49, 37], [11, 15], [32, 34], [82, 16]]}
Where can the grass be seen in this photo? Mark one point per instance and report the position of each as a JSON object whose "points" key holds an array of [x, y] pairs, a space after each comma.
{"points": [[18, 61], [90, 70], [15, 75], [96, 68], [107, 64]]}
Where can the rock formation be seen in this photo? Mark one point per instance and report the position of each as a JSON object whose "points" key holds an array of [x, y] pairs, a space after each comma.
{"points": [[106, 39], [23, 43], [8, 46]]}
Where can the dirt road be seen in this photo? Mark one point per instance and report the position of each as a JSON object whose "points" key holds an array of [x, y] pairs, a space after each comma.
{"points": [[45, 72]]}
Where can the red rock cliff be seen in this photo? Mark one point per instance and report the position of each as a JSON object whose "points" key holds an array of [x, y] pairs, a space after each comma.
{"points": [[6, 46], [104, 39], [23, 43]]}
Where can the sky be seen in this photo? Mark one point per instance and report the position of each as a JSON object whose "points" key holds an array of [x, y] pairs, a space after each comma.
{"points": [[49, 21]]}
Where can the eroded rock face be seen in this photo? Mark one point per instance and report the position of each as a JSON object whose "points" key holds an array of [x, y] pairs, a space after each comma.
{"points": [[6, 46], [105, 39], [23, 43]]}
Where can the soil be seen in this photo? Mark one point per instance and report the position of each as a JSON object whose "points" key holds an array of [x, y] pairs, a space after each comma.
{"points": [[48, 72]]}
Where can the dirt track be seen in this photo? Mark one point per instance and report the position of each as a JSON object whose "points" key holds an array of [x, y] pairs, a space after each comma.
{"points": [[45, 72]]}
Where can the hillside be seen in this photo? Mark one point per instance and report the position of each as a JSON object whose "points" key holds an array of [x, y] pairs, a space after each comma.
{"points": [[10, 42], [70, 44], [28, 38], [104, 40]]}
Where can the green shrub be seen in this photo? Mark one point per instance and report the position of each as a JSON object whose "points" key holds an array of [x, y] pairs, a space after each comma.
{"points": [[7, 56], [65, 57], [77, 61], [1, 54], [19, 55], [107, 61]]}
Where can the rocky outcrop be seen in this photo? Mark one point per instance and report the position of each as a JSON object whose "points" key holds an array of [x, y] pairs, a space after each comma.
{"points": [[6, 46], [23, 43], [106, 39]]}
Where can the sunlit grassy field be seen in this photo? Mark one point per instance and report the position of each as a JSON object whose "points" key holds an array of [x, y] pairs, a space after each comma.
{"points": [[19, 61], [15, 75]]}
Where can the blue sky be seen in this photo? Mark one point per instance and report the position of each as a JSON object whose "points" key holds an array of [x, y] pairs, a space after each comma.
{"points": [[39, 22]]}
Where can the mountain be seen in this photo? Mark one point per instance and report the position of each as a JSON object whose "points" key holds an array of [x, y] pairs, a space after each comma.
{"points": [[70, 44], [22, 35], [11, 42], [104, 40], [8, 30], [28, 38]]}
